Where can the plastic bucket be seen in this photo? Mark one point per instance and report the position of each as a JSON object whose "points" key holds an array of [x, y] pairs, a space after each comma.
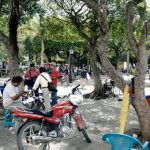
{"points": [[148, 99]]}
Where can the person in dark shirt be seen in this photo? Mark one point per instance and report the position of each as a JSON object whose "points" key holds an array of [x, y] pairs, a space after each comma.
{"points": [[83, 78], [30, 76]]}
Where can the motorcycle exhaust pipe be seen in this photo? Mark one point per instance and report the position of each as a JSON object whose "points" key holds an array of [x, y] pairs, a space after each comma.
{"points": [[41, 139]]}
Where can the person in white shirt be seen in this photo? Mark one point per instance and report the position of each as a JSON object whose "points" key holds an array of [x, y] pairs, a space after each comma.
{"points": [[43, 83], [12, 98], [12, 93]]}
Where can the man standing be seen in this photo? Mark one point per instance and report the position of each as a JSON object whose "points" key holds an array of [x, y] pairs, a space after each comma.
{"points": [[42, 81], [54, 78], [30, 76]]}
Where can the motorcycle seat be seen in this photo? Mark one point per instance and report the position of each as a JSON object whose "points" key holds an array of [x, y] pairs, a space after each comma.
{"points": [[41, 112]]}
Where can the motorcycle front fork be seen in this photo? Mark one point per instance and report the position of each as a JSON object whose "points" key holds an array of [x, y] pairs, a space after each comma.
{"points": [[41, 127], [79, 119]]}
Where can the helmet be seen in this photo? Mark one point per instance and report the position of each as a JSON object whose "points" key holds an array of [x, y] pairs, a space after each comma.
{"points": [[76, 99]]}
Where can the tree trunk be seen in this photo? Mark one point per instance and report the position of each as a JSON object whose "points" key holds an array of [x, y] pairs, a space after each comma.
{"points": [[13, 60], [35, 59], [140, 104], [114, 75], [97, 93], [49, 59], [13, 50], [42, 51], [117, 59], [139, 49]]}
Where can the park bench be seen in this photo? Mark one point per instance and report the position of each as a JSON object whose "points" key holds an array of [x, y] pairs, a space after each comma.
{"points": [[124, 142]]}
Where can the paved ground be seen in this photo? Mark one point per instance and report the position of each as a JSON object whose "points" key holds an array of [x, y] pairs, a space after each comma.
{"points": [[102, 116]]}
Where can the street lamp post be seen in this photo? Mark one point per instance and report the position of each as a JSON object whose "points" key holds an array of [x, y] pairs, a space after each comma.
{"points": [[70, 64], [128, 61]]}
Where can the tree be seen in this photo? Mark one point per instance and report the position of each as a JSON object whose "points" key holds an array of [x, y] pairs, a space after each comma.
{"points": [[61, 35], [28, 48], [139, 48], [86, 24], [58, 36], [117, 43], [11, 41], [100, 9], [18, 10]]}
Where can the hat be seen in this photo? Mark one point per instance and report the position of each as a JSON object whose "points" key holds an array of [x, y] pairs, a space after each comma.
{"points": [[53, 64]]}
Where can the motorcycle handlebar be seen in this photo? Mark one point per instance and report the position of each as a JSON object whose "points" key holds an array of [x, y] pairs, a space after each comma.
{"points": [[29, 93], [75, 89]]}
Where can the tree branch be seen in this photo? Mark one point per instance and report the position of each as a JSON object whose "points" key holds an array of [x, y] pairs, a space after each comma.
{"points": [[92, 4], [80, 9], [1, 3], [130, 16], [100, 11], [144, 32], [79, 26], [74, 17]]}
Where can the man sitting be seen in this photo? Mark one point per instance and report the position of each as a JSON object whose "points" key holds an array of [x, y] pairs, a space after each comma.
{"points": [[12, 93]]}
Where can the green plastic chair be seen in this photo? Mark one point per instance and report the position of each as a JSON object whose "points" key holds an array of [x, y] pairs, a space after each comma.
{"points": [[123, 142]]}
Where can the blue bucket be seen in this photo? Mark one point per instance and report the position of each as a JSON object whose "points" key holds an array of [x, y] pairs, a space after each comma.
{"points": [[148, 99]]}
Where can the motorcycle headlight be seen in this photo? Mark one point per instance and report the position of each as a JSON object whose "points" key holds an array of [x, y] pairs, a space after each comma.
{"points": [[76, 99]]}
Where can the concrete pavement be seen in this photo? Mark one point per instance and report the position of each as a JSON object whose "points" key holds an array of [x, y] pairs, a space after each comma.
{"points": [[102, 116]]}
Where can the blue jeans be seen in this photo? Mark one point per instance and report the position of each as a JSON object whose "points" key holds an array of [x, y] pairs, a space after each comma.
{"points": [[30, 87], [54, 99]]}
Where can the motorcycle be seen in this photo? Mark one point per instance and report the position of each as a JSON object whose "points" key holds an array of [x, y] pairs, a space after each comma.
{"points": [[43, 127]]}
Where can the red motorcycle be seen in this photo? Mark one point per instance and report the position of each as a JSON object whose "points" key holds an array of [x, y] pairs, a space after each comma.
{"points": [[43, 127]]}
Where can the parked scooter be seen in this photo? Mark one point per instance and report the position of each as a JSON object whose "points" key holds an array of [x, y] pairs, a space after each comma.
{"points": [[43, 127]]}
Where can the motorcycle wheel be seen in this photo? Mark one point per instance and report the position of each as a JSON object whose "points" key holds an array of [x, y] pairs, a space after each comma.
{"points": [[24, 137], [86, 136]]}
